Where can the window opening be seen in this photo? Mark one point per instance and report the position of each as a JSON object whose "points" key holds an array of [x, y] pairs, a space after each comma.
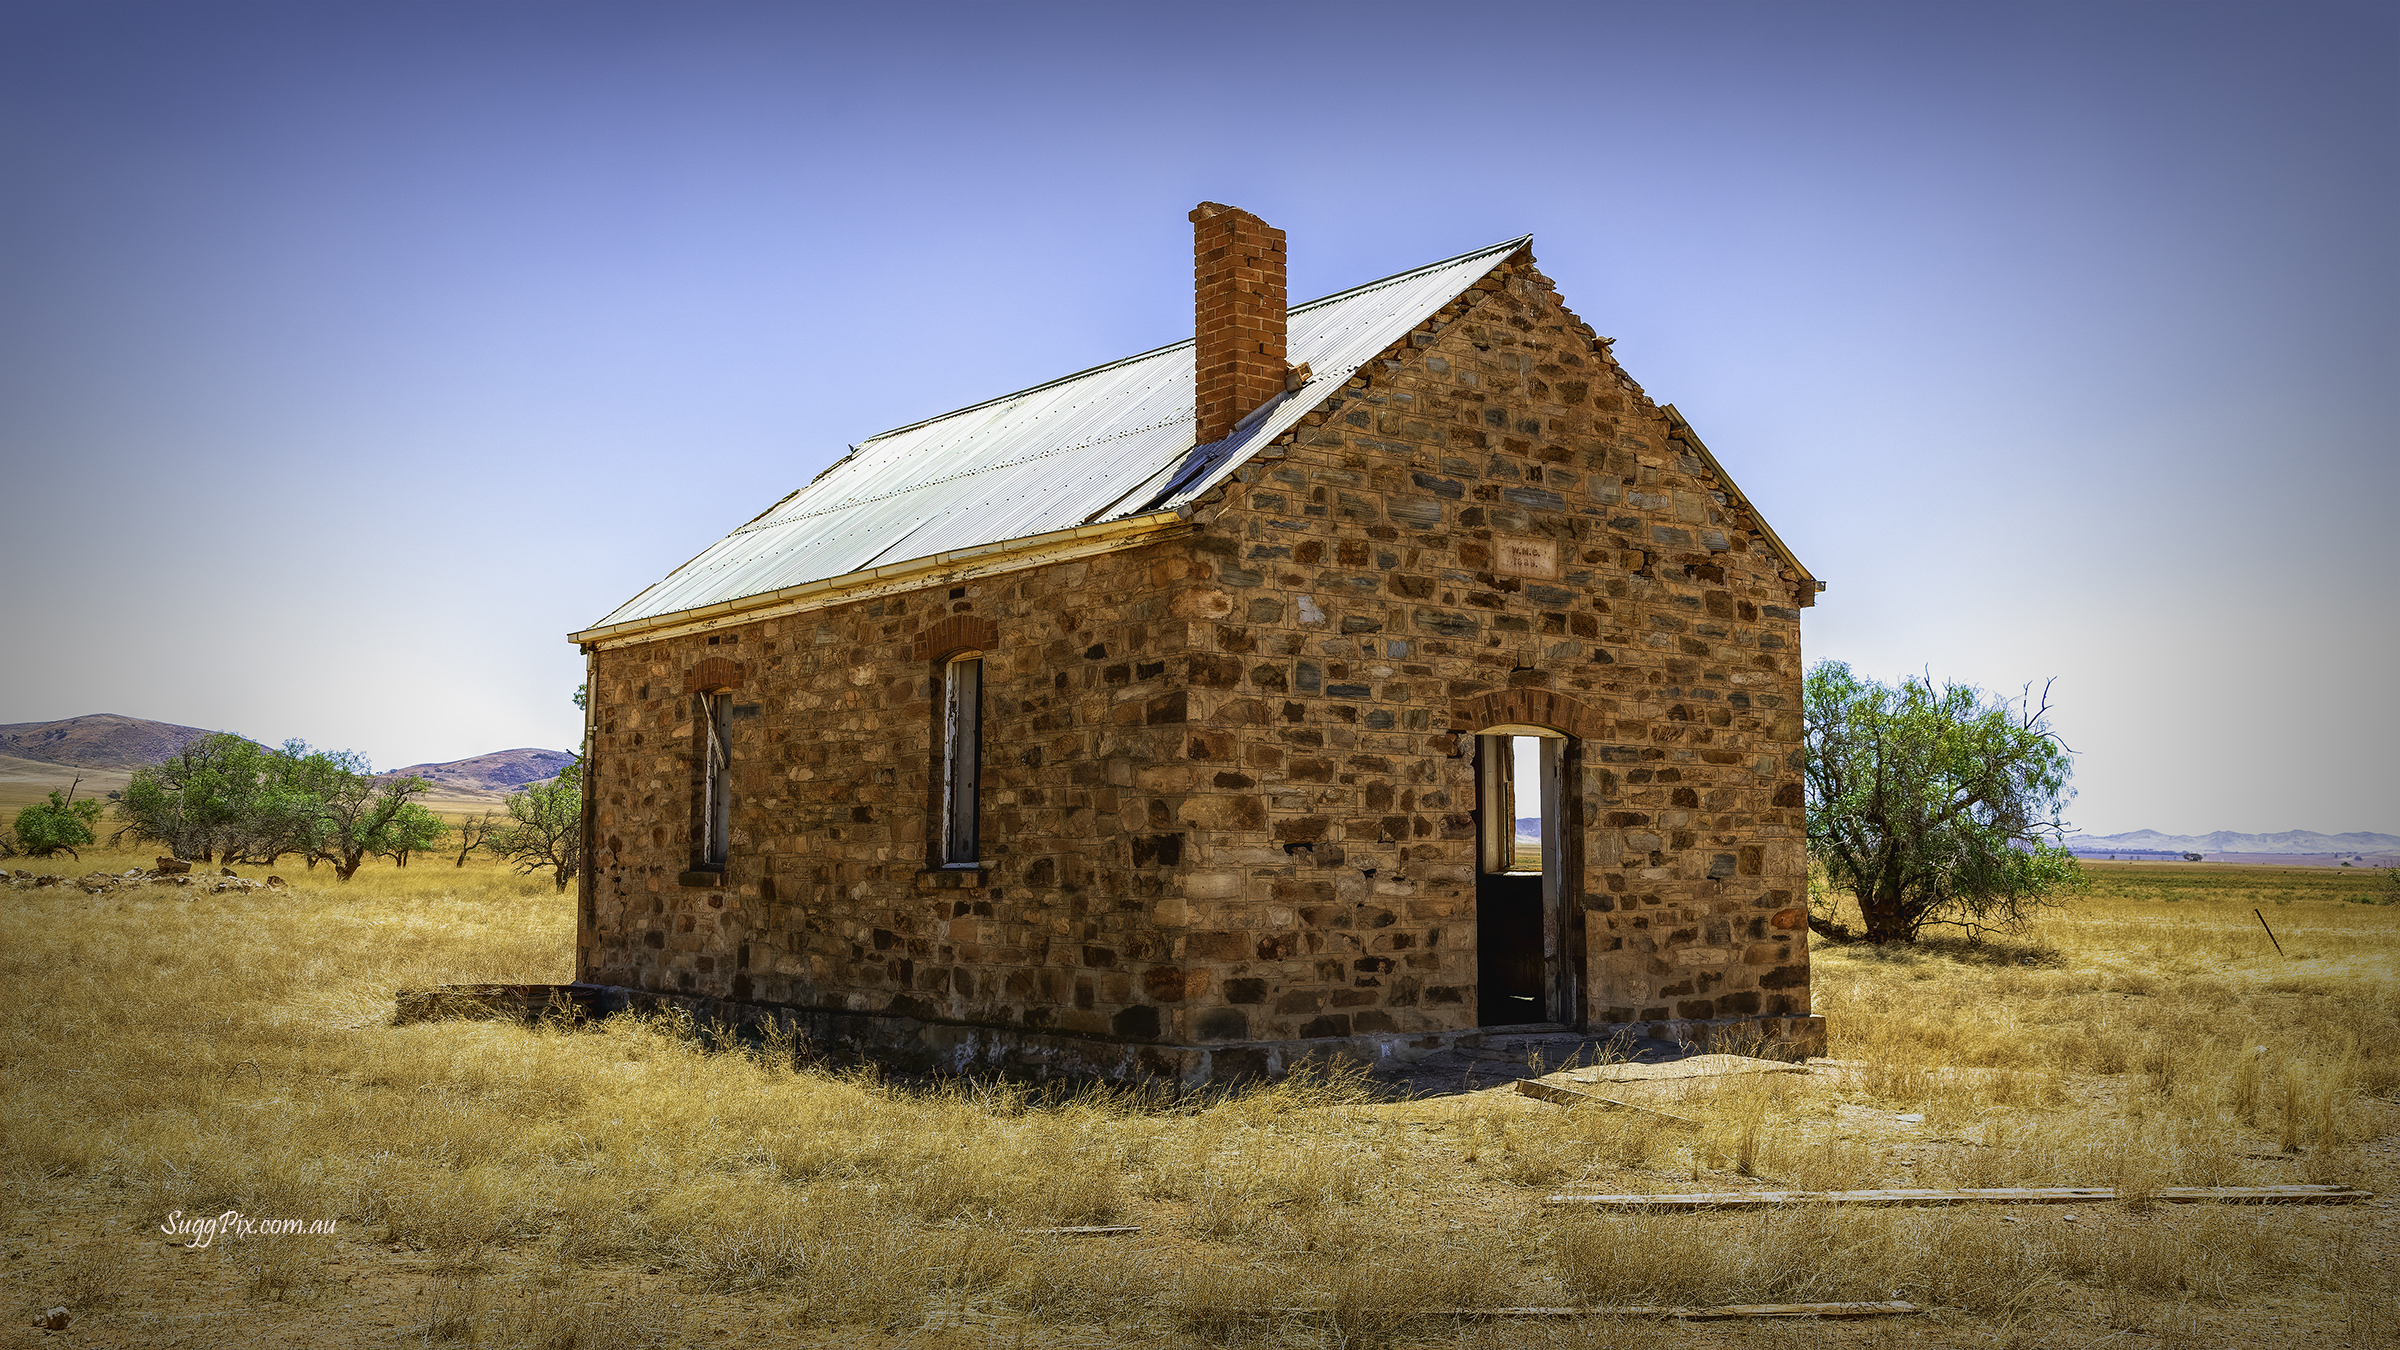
{"points": [[1525, 815], [962, 757], [1516, 814], [716, 794]]}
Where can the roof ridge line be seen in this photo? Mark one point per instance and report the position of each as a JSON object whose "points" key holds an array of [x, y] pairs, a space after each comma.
{"points": [[1509, 246], [1505, 246]]}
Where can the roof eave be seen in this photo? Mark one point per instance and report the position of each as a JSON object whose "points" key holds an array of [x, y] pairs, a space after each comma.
{"points": [[1007, 555], [1681, 428]]}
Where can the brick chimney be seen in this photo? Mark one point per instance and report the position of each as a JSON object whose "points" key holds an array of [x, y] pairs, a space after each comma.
{"points": [[1237, 316]]}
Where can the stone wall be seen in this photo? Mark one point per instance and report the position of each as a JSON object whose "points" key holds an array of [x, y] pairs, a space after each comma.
{"points": [[1368, 619], [829, 898], [1227, 796]]}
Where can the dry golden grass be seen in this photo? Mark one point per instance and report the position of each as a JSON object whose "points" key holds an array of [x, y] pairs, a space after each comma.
{"points": [[639, 1183]]}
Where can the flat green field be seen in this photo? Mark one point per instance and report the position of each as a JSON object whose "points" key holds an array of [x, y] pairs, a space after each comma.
{"points": [[2231, 883]]}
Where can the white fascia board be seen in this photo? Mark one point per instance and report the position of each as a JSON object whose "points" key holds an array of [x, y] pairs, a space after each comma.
{"points": [[939, 569]]}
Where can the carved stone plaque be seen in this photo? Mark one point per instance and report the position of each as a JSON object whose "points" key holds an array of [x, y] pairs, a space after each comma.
{"points": [[1515, 557]]}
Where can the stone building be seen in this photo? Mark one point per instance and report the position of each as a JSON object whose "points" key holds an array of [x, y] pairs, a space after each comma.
{"points": [[1353, 679]]}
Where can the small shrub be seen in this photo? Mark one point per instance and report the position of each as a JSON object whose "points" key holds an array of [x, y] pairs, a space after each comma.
{"points": [[565, 1319], [57, 825], [1232, 1304], [1981, 1263], [280, 1269], [1070, 1281], [1619, 1260], [1382, 1297], [93, 1273]]}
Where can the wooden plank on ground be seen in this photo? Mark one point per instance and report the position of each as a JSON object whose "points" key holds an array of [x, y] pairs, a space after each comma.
{"points": [[1678, 1070], [1999, 1195], [1086, 1230], [1567, 1096], [1721, 1312]]}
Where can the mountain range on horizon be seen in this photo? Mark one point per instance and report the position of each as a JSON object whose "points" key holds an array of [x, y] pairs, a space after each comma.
{"points": [[501, 771], [115, 741], [2233, 841]]}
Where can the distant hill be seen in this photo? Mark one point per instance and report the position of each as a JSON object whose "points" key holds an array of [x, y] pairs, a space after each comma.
{"points": [[500, 771], [97, 741], [2229, 841], [112, 741]]}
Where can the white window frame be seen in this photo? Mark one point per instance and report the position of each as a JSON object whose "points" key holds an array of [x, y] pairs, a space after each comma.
{"points": [[716, 780], [962, 759], [1495, 765]]}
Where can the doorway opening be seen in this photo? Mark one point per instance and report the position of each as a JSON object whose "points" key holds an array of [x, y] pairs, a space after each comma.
{"points": [[1521, 853]]}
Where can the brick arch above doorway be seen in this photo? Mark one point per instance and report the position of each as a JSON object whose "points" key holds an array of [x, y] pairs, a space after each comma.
{"points": [[1528, 707], [713, 674], [958, 633]]}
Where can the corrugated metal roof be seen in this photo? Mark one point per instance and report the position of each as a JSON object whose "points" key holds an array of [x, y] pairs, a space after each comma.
{"points": [[1109, 442]]}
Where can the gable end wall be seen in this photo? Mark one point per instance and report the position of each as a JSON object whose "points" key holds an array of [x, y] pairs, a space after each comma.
{"points": [[1365, 612]]}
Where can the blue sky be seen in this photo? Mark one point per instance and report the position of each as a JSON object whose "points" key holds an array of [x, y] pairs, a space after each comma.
{"points": [[351, 355]]}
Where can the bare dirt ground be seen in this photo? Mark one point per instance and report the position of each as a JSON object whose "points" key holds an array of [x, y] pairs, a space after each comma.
{"points": [[634, 1185]]}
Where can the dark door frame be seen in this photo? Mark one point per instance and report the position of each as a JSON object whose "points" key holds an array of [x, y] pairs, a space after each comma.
{"points": [[1560, 937]]}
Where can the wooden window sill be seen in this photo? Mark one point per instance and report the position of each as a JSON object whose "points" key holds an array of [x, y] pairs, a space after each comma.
{"points": [[705, 879]]}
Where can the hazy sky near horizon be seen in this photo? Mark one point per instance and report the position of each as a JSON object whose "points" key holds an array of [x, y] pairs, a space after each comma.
{"points": [[351, 355]]}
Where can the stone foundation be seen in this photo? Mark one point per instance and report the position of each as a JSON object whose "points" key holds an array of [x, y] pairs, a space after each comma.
{"points": [[917, 1045]]}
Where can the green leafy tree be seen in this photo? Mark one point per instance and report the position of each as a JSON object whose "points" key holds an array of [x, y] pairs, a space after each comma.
{"points": [[229, 797], [199, 800], [58, 824], [1934, 805], [284, 809], [364, 815], [545, 827], [413, 829]]}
